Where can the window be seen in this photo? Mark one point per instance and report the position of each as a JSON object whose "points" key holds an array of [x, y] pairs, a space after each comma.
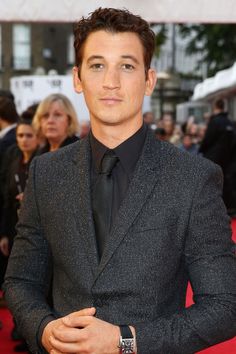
{"points": [[21, 47]]}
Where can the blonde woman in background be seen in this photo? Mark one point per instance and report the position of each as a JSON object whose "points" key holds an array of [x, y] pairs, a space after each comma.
{"points": [[56, 121]]}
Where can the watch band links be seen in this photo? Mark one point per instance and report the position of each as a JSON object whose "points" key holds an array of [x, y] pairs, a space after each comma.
{"points": [[127, 342]]}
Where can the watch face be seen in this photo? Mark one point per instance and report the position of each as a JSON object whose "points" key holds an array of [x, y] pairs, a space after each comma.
{"points": [[127, 346]]}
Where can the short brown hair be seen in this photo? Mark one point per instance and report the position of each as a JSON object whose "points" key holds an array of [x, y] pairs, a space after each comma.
{"points": [[219, 104], [114, 21], [8, 110]]}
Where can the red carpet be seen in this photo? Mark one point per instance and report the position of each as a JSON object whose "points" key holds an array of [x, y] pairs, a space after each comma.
{"points": [[6, 345]]}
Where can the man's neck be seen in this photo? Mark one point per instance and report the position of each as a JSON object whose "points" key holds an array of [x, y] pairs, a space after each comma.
{"points": [[112, 136]]}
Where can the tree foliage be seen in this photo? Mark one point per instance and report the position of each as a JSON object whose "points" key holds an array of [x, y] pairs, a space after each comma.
{"points": [[215, 42], [160, 37]]}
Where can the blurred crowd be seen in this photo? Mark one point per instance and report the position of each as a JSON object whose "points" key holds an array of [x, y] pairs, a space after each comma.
{"points": [[187, 136], [43, 127], [53, 123], [214, 138]]}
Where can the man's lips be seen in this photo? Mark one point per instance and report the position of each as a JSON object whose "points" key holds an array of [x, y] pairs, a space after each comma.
{"points": [[111, 100]]}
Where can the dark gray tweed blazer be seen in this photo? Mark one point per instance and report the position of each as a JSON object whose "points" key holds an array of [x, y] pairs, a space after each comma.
{"points": [[172, 227]]}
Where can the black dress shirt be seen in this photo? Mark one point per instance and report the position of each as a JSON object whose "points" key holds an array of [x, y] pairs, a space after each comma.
{"points": [[128, 153]]}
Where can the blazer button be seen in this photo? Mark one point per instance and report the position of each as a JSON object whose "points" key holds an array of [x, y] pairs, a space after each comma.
{"points": [[98, 303]]}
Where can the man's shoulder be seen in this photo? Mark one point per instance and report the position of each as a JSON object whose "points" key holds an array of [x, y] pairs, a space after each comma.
{"points": [[177, 161], [60, 162], [62, 155], [221, 118], [5, 145]]}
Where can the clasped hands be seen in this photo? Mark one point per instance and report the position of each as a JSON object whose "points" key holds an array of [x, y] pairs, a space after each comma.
{"points": [[81, 333]]}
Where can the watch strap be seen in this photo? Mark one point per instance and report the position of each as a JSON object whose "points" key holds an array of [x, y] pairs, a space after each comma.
{"points": [[125, 332], [127, 341]]}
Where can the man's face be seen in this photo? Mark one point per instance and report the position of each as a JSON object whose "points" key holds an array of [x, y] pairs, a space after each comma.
{"points": [[112, 78]]}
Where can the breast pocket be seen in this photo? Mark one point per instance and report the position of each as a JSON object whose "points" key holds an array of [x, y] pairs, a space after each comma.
{"points": [[157, 232]]}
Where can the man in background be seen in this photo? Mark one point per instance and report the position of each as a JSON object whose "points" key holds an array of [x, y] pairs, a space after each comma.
{"points": [[219, 145], [8, 119], [216, 145]]}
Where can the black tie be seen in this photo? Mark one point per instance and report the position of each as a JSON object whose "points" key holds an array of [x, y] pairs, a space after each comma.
{"points": [[102, 199]]}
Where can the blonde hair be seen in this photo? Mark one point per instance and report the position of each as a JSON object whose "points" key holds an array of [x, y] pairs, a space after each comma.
{"points": [[73, 126]]}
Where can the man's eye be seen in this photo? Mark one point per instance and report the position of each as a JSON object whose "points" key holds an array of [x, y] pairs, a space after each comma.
{"points": [[128, 67], [96, 67]]}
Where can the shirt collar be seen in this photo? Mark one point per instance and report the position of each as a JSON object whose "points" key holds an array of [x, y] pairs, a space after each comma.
{"points": [[4, 131], [128, 152]]}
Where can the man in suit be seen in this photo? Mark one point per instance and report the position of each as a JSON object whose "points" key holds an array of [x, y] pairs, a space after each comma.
{"points": [[217, 142], [218, 145], [123, 290], [8, 119]]}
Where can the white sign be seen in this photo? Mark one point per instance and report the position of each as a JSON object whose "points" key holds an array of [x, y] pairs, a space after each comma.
{"points": [[28, 90]]}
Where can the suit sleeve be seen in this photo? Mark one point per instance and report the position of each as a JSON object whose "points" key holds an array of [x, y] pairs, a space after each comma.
{"points": [[28, 274], [211, 265]]}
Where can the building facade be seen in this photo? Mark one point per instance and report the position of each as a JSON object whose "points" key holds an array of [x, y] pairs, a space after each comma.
{"points": [[41, 48], [34, 48]]}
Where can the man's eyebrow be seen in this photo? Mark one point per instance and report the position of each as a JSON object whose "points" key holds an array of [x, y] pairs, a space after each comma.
{"points": [[128, 56], [93, 57], [125, 56]]}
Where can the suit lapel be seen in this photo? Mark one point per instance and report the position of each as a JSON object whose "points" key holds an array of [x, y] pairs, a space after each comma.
{"points": [[145, 177], [82, 202]]}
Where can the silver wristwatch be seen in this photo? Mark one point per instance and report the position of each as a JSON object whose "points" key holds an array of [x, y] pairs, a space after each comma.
{"points": [[127, 342]]}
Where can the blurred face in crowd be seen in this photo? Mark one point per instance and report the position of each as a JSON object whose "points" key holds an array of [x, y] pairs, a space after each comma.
{"points": [[193, 129], [202, 131], [113, 80], [84, 129], [187, 141], [26, 137], [148, 118], [169, 126], [55, 123]]}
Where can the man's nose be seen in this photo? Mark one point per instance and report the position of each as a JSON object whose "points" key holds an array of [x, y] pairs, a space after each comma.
{"points": [[111, 79]]}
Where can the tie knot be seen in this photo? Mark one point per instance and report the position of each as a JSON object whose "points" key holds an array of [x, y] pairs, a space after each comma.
{"points": [[108, 162]]}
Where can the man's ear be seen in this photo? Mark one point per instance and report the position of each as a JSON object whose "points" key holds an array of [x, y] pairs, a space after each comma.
{"points": [[150, 82], [76, 80]]}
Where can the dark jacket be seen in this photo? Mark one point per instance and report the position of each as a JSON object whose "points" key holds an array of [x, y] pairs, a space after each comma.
{"points": [[69, 140], [219, 146], [16, 178], [218, 140], [172, 227], [5, 143]]}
